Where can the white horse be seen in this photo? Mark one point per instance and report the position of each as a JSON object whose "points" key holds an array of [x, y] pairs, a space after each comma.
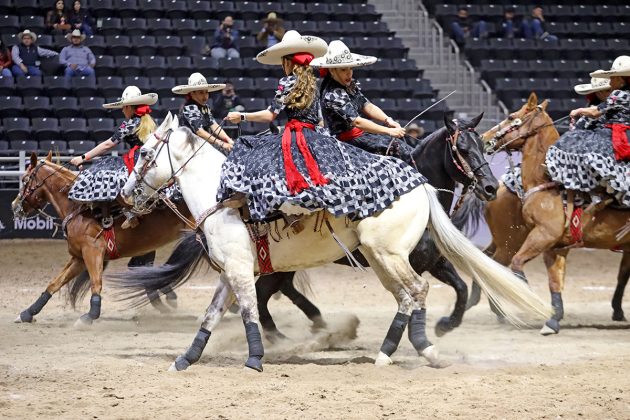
{"points": [[385, 239]]}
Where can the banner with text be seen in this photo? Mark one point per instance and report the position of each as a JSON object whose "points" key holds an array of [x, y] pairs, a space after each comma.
{"points": [[31, 227]]}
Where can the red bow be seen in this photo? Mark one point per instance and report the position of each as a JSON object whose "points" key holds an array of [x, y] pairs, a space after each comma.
{"points": [[323, 72], [303, 59], [295, 180], [143, 110]]}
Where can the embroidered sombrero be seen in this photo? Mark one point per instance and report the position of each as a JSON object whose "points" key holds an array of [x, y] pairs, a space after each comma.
{"points": [[292, 43], [597, 85], [620, 67], [196, 81], [339, 55], [132, 96]]}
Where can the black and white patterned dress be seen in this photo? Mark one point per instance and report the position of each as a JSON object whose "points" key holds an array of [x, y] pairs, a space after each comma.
{"points": [[342, 105], [512, 179], [195, 116], [584, 159], [103, 181], [359, 183]]}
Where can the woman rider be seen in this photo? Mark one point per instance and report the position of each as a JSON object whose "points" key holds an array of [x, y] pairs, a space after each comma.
{"points": [[196, 115], [343, 103], [303, 169], [597, 156], [102, 182]]}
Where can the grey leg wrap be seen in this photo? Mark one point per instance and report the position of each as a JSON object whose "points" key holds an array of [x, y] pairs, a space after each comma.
{"points": [[256, 351], [395, 333], [35, 308], [95, 307], [558, 306], [193, 354], [417, 327]]}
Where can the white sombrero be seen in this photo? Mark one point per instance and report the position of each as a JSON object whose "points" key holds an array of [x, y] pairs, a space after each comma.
{"points": [[339, 55], [75, 33], [292, 43], [597, 85], [196, 81], [620, 67], [132, 96], [26, 32]]}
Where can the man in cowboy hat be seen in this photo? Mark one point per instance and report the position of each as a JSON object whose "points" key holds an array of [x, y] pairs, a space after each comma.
{"points": [[26, 55], [272, 31], [78, 59]]}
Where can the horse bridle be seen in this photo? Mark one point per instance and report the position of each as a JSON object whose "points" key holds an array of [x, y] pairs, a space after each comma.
{"points": [[516, 124], [460, 162], [27, 191]]}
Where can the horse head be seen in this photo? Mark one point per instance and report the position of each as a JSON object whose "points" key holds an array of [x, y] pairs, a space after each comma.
{"points": [[31, 196], [154, 166], [466, 152], [518, 127]]}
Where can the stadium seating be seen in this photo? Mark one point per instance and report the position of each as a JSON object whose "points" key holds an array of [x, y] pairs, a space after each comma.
{"points": [[156, 44]]}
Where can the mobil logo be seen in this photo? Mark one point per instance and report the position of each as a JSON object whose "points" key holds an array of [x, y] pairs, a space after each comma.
{"points": [[35, 223]]}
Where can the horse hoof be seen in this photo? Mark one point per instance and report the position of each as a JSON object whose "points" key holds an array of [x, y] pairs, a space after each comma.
{"points": [[318, 324], [383, 360], [161, 307], [24, 317], [443, 326], [254, 363], [619, 316], [552, 326], [84, 321], [432, 355], [275, 336], [171, 299]]}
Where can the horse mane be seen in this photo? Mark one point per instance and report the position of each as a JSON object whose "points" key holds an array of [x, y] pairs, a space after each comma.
{"points": [[425, 141], [61, 170]]}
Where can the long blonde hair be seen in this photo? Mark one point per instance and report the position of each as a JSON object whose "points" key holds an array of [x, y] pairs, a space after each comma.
{"points": [[145, 128], [303, 93]]}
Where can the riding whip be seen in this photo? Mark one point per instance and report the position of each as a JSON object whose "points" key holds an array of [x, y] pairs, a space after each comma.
{"points": [[428, 108]]}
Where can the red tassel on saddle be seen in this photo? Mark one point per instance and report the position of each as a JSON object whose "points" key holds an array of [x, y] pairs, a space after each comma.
{"points": [[128, 158], [110, 243], [295, 181], [620, 141]]}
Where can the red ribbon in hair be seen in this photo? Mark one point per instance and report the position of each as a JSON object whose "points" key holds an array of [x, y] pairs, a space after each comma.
{"points": [[303, 59], [323, 72], [295, 180], [143, 110], [620, 141]]}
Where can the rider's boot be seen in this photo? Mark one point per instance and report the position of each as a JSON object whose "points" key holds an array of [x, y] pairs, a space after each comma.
{"points": [[131, 220], [293, 221], [107, 221]]}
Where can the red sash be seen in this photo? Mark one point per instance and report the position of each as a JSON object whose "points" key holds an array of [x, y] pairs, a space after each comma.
{"points": [[129, 158], [350, 134], [295, 180], [620, 141]]}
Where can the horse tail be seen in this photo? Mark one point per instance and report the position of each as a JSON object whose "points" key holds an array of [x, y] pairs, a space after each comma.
{"points": [[468, 217], [302, 282], [142, 284], [509, 293], [79, 287]]}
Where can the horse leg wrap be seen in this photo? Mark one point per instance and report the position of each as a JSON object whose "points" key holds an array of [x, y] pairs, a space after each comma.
{"points": [[256, 351], [395, 333], [193, 354], [95, 307], [35, 308], [417, 333], [558, 307]]}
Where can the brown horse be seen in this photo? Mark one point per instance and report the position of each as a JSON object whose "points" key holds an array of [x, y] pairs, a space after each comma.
{"points": [[46, 182], [541, 224]]}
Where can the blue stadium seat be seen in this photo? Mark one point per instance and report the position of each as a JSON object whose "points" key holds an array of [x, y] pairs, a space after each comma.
{"points": [[208, 66], [224, 8], [7, 85], [294, 11], [163, 85], [254, 104], [27, 7], [194, 45], [151, 9], [16, 128], [37, 106], [143, 83], [32, 22], [97, 44], [172, 103], [45, 128], [232, 67], [119, 44], [179, 66], [105, 65], [395, 88], [154, 65], [111, 26], [100, 8], [101, 128], [409, 107], [110, 86], [57, 86], [84, 86], [11, 106], [92, 107], [29, 85], [73, 128], [184, 27], [169, 45], [159, 26], [53, 145], [200, 9], [128, 65], [66, 106], [26, 145], [266, 87], [135, 26], [126, 8], [146, 45], [80, 146], [248, 10]]}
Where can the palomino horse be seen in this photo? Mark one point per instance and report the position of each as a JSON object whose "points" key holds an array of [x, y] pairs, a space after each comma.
{"points": [[46, 182], [544, 228], [453, 154], [385, 240]]}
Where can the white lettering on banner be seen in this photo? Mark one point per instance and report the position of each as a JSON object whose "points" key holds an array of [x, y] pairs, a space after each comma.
{"points": [[33, 224]]}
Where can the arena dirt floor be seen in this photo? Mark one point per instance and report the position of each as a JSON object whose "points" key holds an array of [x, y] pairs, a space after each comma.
{"points": [[118, 367]]}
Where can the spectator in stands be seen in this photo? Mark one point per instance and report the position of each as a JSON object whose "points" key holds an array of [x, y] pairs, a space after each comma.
{"points": [[349, 115], [510, 26], [78, 59], [57, 21], [196, 115], [5, 60], [463, 27], [26, 55], [227, 101], [537, 26], [415, 131], [272, 31], [224, 44], [80, 19]]}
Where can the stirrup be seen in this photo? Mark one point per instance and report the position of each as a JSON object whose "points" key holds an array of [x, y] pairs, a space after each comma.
{"points": [[294, 222], [236, 201], [131, 220], [107, 222], [594, 207]]}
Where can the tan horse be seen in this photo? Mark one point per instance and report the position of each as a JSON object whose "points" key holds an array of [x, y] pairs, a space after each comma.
{"points": [[540, 226], [46, 182]]}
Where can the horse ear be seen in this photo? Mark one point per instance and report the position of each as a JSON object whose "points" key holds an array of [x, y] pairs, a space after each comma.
{"points": [[49, 157], [175, 123], [532, 101], [450, 125], [165, 124], [475, 121], [33, 160], [544, 104]]}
